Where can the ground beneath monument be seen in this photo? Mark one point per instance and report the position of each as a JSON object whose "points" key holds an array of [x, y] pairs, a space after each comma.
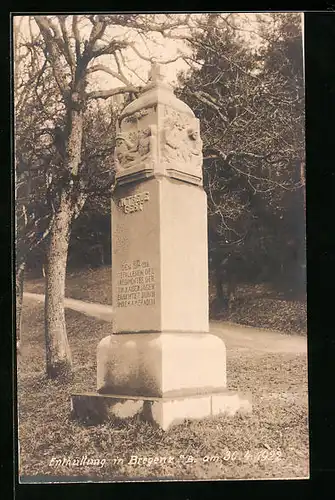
{"points": [[235, 336], [272, 442]]}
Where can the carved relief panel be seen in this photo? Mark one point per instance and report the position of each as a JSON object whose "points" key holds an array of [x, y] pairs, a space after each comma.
{"points": [[164, 140], [181, 145], [136, 142]]}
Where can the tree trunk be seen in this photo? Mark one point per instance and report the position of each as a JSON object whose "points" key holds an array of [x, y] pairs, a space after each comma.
{"points": [[218, 277], [231, 291], [219, 284], [19, 278], [58, 354], [102, 255]]}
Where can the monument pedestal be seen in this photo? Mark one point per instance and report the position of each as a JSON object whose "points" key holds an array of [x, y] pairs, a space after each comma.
{"points": [[161, 378], [161, 362], [163, 412]]}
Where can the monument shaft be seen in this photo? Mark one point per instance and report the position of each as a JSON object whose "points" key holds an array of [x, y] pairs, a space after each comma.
{"points": [[159, 257]]}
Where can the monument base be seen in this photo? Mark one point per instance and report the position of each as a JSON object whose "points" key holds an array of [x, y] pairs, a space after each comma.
{"points": [[162, 378], [163, 412], [161, 364]]}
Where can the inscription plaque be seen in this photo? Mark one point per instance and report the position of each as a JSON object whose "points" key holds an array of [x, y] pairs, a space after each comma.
{"points": [[136, 284], [133, 203]]}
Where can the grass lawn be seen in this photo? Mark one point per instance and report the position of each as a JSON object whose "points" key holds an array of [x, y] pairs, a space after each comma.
{"points": [[91, 285], [272, 442]]}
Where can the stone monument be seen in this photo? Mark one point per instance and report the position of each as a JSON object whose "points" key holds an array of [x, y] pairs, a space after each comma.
{"points": [[160, 362]]}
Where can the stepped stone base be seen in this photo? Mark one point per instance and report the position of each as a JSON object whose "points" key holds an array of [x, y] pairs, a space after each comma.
{"points": [[164, 412]]}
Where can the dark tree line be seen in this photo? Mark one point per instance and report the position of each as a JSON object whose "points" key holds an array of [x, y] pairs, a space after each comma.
{"points": [[251, 108]]}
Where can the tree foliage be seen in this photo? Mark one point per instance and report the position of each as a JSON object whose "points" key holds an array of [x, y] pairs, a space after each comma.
{"points": [[251, 110]]}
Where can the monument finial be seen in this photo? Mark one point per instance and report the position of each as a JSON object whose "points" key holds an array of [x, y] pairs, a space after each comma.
{"points": [[155, 74]]}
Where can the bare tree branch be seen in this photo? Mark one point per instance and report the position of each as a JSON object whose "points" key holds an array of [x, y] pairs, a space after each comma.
{"points": [[58, 71], [110, 48], [119, 68], [105, 94], [98, 30], [151, 59], [102, 67], [76, 35], [67, 45], [206, 100]]}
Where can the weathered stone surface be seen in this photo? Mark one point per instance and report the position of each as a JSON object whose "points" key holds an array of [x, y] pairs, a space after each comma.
{"points": [[163, 412], [184, 257], [136, 258], [159, 216], [159, 365], [160, 274], [158, 134]]}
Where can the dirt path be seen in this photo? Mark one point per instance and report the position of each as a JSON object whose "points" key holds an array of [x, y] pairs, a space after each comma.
{"points": [[99, 311], [249, 338], [235, 336]]}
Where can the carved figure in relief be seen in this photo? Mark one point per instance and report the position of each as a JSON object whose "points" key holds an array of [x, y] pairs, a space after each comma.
{"points": [[153, 141], [128, 153], [125, 151], [147, 142], [196, 144], [181, 141], [172, 139], [144, 142]]}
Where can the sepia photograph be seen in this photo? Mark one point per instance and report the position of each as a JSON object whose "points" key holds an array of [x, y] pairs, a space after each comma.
{"points": [[160, 247]]}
